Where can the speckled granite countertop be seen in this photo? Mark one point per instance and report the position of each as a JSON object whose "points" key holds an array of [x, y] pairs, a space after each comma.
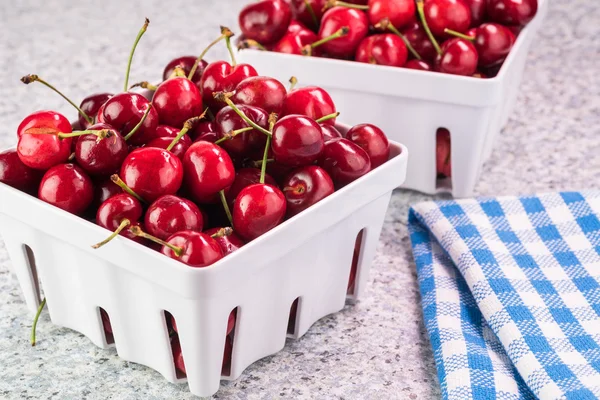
{"points": [[377, 349]]}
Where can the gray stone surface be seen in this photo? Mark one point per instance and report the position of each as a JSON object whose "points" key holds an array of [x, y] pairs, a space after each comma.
{"points": [[377, 349]]}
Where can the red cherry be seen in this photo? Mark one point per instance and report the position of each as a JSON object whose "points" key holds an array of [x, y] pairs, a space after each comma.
{"points": [[302, 11], [447, 14], [186, 63], [477, 8], [459, 57], [206, 131], [67, 186], [512, 12], [44, 150], [384, 49], [330, 132], [262, 92], [106, 322], [344, 161], [125, 110], [244, 143], [101, 157], [208, 170], [179, 149], [311, 101], [152, 172], [418, 39], [44, 119], [418, 65], [258, 209], [245, 177], [176, 100], [337, 18], [297, 140], [265, 21], [305, 187], [372, 140], [120, 207], [399, 12], [220, 76], [493, 43], [443, 152], [90, 105], [103, 191], [296, 39], [229, 244], [16, 174], [171, 214], [195, 249], [177, 355]]}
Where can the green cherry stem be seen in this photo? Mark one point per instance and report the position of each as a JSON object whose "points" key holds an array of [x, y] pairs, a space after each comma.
{"points": [[246, 44], [137, 231], [259, 163], [328, 117], [307, 50], [230, 49], [337, 3], [386, 24], [263, 167], [459, 35], [119, 182], [226, 206], [35, 321], [293, 82], [232, 134], [27, 79], [101, 134], [222, 233], [144, 85], [137, 39], [124, 224], [225, 98], [139, 124], [187, 126], [225, 32], [421, 11], [312, 13]]}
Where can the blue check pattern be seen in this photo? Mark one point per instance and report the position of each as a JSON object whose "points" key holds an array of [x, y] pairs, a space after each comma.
{"points": [[510, 291]]}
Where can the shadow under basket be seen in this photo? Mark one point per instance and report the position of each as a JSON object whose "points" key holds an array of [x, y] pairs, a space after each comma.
{"points": [[308, 257]]}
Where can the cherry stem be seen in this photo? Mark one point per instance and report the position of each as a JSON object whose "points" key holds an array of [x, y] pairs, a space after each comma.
{"points": [[312, 13], [421, 11], [337, 3], [328, 117], [137, 231], [222, 233], [124, 224], [263, 167], [246, 44], [230, 49], [101, 134], [225, 32], [119, 182], [139, 124], [71, 157], [226, 206], [293, 82], [259, 163], [386, 23], [225, 97], [27, 79], [35, 321], [137, 39], [298, 189], [232, 134], [187, 126], [144, 85], [459, 35], [307, 50]]}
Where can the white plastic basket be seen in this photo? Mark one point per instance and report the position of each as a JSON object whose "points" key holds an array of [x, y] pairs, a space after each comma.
{"points": [[307, 257], [411, 105]]}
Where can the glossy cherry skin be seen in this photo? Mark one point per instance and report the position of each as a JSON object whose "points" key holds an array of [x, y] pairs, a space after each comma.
{"points": [[459, 57], [417, 37], [493, 43], [244, 143], [258, 209], [305, 187], [178, 356], [337, 18], [302, 12], [384, 49], [512, 12], [170, 214], [265, 21], [229, 244], [296, 39], [262, 92], [44, 119], [220, 76], [245, 177], [176, 100], [67, 187], [297, 140], [344, 161], [418, 65], [152, 172], [103, 191], [330, 132], [447, 14], [101, 157], [90, 105], [179, 149], [186, 63], [478, 8], [372, 140], [199, 249], [125, 110], [399, 12], [118, 208], [44, 151], [208, 170], [311, 101], [443, 153], [206, 131], [16, 174]]}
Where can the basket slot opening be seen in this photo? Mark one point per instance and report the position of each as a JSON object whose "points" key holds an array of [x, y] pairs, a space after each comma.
{"points": [[291, 329], [178, 364], [30, 256], [232, 322], [355, 259], [107, 327], [443, 152]]}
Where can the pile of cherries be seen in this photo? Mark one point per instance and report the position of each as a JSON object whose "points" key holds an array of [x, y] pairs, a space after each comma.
{"points": [[460, 37]]}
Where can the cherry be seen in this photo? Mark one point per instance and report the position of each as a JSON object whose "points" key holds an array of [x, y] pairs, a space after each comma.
{"points": [[245, 177], [344, 161], [296, 39], [261, 91], [208, 170], [220, 76], [242, 143], [384, 49], [330, 132], [372, 140], [417, 37], [103, 191], [305, 187], [458, 57], [206, 131], [170, 214], [124, 112], [257, 209], [116, 214], [398, 12], [16, 174], [229, 243], [67, 187], [309, 12], [338, 18], [311, 101], [166, 131], [297, 140], [44, 119], [512, 12], [186, 63], [106, 322], [418, 65], [43, 148], [443, 152], [493, 43], [447, 14], [178, 149], [90, 105], [265, 21], [176, 100], [101, 157], [478, 8], [152, 172]]}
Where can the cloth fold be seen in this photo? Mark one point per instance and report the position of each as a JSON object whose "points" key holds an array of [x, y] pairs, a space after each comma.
{"points": [[510, 291]]}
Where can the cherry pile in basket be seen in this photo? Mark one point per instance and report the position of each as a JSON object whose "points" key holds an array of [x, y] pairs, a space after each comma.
{"points": [[460, 37]]}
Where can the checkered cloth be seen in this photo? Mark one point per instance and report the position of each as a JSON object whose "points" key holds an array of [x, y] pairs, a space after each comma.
{"points": [[511, 295]]}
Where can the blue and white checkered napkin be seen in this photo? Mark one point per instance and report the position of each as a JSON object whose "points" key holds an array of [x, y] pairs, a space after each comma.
{"points": [[511, 294]]}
